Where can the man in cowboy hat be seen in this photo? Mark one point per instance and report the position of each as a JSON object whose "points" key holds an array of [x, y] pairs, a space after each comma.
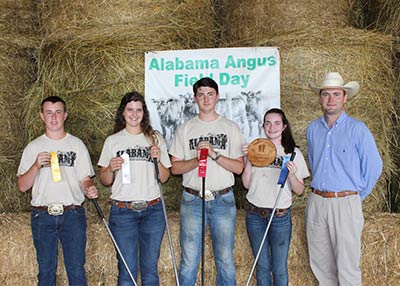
{"points": [[345, 165]]}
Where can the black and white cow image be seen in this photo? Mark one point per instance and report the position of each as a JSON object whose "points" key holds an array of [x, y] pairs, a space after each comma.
{"points": [[189, 106], [234, 108], [253, 113], [170, 112]]}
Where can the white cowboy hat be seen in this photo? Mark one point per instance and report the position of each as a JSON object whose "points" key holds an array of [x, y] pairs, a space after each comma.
{"points": [[334, 80]]}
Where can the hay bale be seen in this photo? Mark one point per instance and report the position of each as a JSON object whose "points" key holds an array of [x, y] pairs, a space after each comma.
{"points": [[16, 76], [383, 15], [260, 19], [146, 24], [380, 249], [19, 22], [93, 53], [379, 262], [365, 58], [18, 261], [17, 73], [306, 55]]}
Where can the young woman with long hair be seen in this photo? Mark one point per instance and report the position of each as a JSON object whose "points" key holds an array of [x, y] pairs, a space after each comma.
{"points": [[127, 165]]}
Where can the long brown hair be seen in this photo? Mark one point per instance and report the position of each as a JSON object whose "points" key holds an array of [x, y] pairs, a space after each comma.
{"points": [[287, 140], [120, 120]]}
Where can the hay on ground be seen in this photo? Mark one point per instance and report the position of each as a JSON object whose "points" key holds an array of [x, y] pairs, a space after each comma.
{"points": [[380, 262]]}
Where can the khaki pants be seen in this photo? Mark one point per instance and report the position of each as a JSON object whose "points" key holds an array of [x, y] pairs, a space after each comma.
{"points": [[333, 228]]}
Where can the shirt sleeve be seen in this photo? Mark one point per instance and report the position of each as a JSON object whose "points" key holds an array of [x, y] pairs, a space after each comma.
{"points": [[309, 143], [302, 169], [27, 160], [371, 162], [105, 155]]}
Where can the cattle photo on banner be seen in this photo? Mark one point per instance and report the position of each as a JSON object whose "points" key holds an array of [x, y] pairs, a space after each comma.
{"points": [[248, 80]]}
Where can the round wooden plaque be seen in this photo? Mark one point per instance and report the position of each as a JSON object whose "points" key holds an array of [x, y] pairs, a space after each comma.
{"points": [[262, 152]]}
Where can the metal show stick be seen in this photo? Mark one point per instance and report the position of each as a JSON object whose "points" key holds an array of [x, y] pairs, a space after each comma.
{"points": [[101, 214], [202, 174], [171, 247]]}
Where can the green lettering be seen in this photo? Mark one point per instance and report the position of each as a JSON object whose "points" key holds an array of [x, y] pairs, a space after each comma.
{"points": [[154, 65]]}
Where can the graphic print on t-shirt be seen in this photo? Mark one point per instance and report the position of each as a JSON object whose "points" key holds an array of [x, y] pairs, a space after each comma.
{"points": [[65, 159], [217, 141], [137, 153], [277, 162]]}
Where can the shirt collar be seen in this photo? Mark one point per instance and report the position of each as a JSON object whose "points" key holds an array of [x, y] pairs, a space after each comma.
{"points": [[341, 118]]}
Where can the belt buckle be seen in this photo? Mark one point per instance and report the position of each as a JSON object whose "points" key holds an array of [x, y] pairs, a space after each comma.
{"points": [[139, 205], [55, 209], [263, 213], [208, 196], [280, 212]]}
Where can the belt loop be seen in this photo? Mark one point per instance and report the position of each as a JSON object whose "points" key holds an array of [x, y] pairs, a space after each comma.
{"points": [[336, 195]]}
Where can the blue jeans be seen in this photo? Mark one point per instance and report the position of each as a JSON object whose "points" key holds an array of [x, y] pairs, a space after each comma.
{"points": [[138, 235], [220, 215], [70, 229], [274, 255]]}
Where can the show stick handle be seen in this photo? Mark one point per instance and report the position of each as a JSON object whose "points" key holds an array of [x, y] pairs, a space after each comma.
{"points": [[287, 171], [155, 161], [203, 163]]}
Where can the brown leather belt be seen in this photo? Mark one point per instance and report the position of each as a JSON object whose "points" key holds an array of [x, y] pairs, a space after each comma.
{"points": [[66, 208], [197, 193], [135, 205], [263, 212], [334, 194]]}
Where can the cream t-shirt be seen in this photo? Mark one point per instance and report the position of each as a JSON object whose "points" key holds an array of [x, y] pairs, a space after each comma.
{"points": [[224, 136], [75, 165], [143, 183], [264, 188]]}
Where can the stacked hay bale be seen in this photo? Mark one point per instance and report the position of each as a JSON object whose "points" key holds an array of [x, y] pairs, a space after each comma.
{"points": [[312, 45], [379, 262], [384, 15], [92, 53], [18, 22]]}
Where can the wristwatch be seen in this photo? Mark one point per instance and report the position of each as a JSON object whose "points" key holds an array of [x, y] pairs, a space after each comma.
{"points": [[217, 155]]}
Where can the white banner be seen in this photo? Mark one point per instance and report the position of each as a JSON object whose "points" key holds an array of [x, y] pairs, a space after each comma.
{"points": [[248, 80]]}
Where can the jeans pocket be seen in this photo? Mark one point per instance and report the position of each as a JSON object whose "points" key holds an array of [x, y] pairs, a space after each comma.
{"points": [[78, 211], [228, 199], [35, 214], [188, 199]]}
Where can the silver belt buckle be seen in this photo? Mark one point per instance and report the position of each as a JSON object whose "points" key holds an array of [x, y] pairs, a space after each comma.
{"points": [[138, 205], [208, 196], [55, 209]]}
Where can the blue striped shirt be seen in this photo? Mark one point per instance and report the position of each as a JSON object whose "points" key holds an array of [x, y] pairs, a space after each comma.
{"points": [[344, 157]]}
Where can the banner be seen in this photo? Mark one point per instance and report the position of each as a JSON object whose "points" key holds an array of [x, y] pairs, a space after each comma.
{"points": [[248, 80]]}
